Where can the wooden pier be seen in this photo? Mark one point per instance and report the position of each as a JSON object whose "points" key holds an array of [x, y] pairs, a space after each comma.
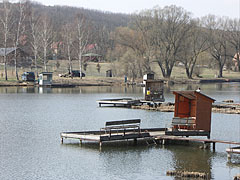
{"points": [[206, 142], [233, 150], [156, 134], [116, 135], [121, 102]]}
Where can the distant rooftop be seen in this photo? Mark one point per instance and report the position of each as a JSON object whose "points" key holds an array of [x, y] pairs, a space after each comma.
{"points": [[8, 51]]}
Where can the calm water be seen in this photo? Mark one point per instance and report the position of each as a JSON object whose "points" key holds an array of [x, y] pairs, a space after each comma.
{"points": [[32, 119]]}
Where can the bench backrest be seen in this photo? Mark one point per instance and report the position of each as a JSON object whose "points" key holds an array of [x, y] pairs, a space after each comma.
{"points": [[121, 122]]}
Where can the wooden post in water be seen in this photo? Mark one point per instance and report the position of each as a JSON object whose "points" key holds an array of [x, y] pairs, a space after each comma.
{"points": [[214, 145], [163, 142], [229, 156], [135, 141]]}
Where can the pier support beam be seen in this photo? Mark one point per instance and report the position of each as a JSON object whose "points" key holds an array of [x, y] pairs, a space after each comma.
{"points": [[135, 141], [229, 156], [205, 145], [163, 142], [214, 146]]}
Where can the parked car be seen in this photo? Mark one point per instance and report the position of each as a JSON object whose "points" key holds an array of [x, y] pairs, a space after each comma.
{"points": [[75, 73], [28, 76]]}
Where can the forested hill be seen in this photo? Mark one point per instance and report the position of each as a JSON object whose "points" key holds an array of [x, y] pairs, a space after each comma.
{"points": [[61, 15]]}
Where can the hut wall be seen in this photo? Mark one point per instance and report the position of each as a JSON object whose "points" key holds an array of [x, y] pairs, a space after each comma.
{"points": [[204, 110], [182, 108], [193, 108]]}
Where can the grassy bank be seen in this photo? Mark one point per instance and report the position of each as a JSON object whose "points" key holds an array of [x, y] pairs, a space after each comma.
{"points": [[94, 77]]}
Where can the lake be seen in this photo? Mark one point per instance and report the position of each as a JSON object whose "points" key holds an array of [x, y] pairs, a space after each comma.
{"points": [[32, 119]]}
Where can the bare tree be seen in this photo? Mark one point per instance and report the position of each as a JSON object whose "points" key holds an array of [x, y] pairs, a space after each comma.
{"points": [[6, 15], [46, 37], [82, 39], [194, 44], [35, 36], [170, 28], [143, 25], [133, 41], [68, 41], [234, 39], [19, 30], [217, 40]]}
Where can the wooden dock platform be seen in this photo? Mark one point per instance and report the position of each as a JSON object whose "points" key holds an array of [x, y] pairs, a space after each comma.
{"points": [[206, 142], [122, 102], [116, 135], [233, 150], [156, 134]]}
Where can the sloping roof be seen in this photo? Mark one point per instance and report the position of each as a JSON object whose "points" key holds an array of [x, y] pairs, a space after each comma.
{"points": [[191, 94], [92, 55], [8, 51]]}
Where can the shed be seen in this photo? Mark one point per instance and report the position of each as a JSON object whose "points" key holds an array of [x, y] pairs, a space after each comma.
{"points": [[23, 58], [192, 111], [45, 79], [92, 57], [154, 90], [109, 73], [148, 76]]}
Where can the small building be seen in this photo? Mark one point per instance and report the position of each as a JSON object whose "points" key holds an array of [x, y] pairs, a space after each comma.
{"points": [[45, 79], [23, 59], [154, 90], [149, 76], [192, 111], [28, 76], [92, 57], [109, 73]]}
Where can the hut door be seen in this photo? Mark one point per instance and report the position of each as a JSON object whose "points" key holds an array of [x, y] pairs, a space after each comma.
{"points": [[183, 107]]}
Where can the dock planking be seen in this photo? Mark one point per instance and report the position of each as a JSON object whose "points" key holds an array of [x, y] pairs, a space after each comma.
{"points": [[157, 134], [116, 135], [121, 102]]}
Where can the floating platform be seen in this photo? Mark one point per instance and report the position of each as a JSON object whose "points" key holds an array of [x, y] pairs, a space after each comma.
{"points": [[233, 150], [121, 102], [156, 134], [187, 133], [116, 135]]}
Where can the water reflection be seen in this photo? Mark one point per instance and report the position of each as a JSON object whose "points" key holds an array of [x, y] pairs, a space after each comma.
{"points": [[191, 159]]}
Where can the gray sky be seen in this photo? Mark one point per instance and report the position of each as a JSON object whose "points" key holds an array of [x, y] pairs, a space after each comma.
{"points": [[199, 8]]}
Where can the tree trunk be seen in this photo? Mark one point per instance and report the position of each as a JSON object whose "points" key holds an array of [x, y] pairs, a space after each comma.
{"points": [[35, 61], [15, 62], [5, 66], [45, 58], [80, 64], [189, 75], [220, 75]]}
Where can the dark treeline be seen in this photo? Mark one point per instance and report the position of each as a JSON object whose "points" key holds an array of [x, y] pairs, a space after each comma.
{"points": [[166, 36]]}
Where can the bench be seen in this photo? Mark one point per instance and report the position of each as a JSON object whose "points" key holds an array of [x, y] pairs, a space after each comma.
{"points": [[187, 121], [122, 125]]}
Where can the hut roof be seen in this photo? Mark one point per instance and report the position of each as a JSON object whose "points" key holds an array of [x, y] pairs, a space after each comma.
{"points": [[92, 55], [191, 94], [8, 51]]}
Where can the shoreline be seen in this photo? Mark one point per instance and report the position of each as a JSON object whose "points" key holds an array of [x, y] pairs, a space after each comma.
{"points": [[225, 108], [113, 82]]}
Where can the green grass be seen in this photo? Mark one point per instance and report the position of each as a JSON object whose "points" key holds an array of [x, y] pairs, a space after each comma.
{"points": [[91, 72]]}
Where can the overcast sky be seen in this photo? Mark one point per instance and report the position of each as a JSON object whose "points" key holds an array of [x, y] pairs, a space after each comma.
{"points": [[199, 8]]}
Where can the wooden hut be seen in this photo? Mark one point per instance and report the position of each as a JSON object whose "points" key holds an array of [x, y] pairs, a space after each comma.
{"points": [[192, 111], [45, 79], [154, 90]]}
